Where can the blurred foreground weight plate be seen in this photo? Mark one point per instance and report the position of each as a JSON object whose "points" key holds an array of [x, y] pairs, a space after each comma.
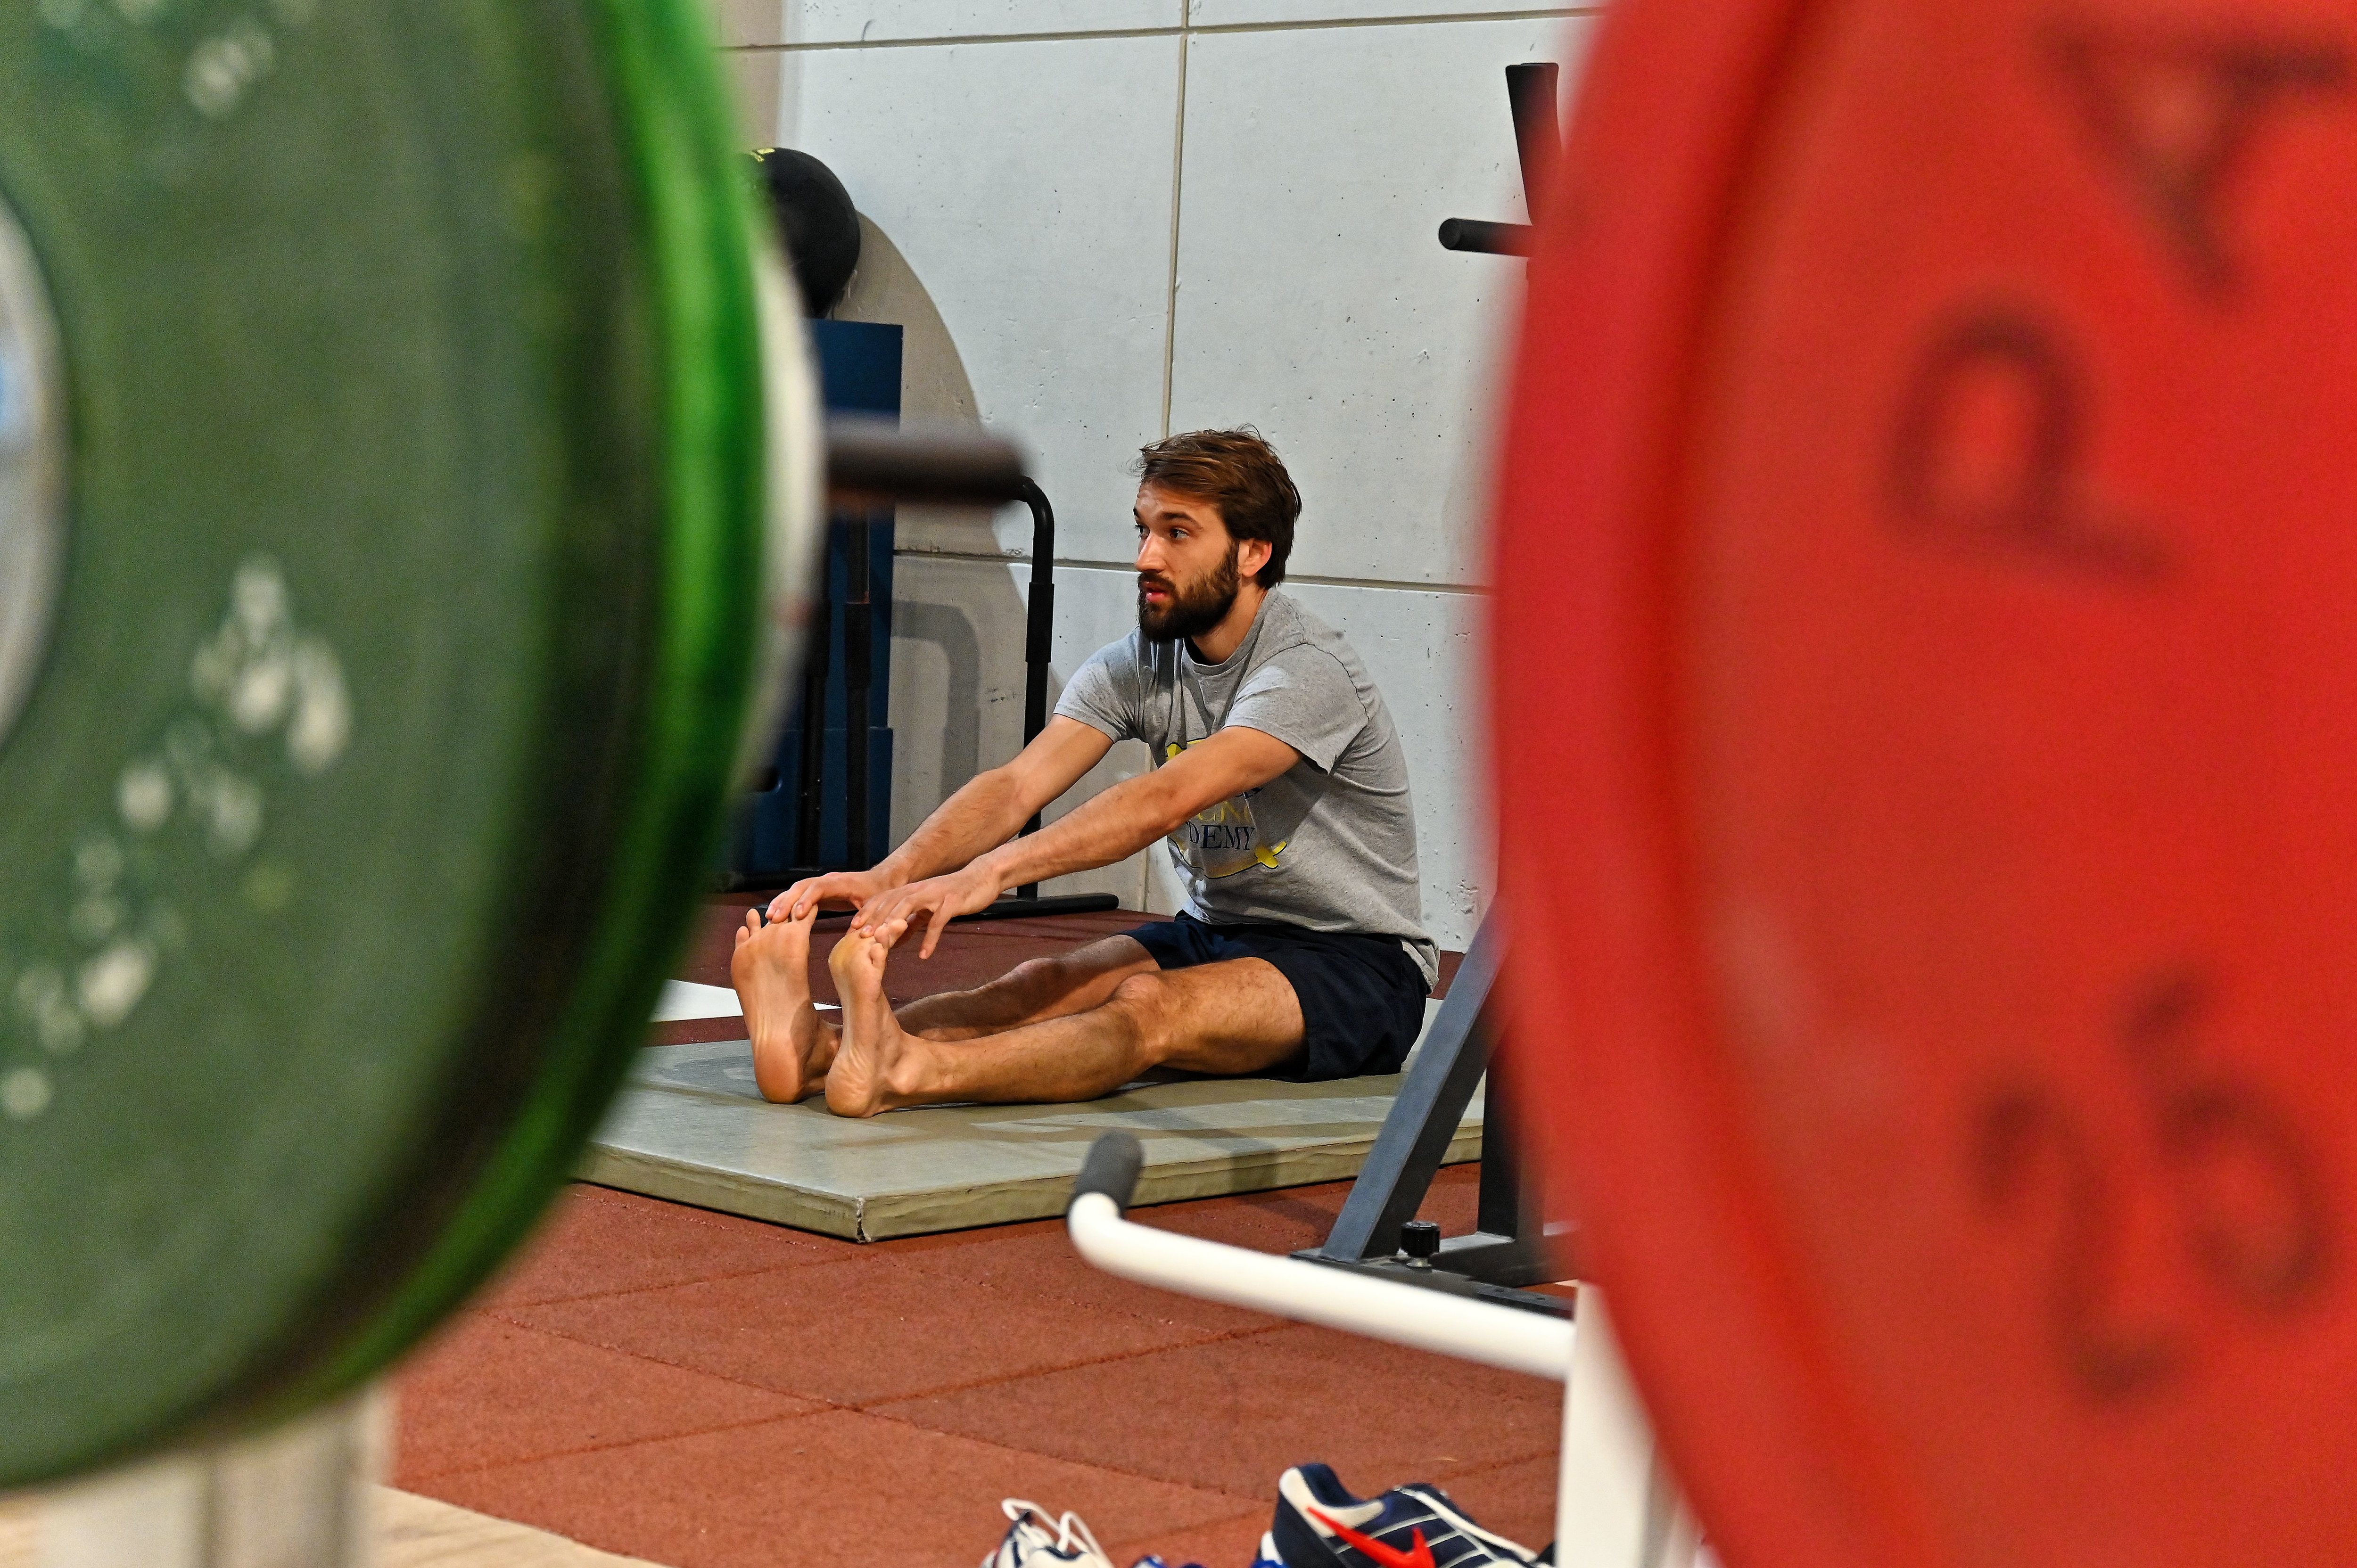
{"points": [[380, 582], [1928, 744]]}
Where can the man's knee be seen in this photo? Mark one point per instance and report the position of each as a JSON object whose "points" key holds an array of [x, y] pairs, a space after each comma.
{"points": [[1032, 980], [1041, 982], [1146, 1001]]}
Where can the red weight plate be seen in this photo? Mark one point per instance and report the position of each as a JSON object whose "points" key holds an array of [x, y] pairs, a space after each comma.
{"points": [[1927, 724]]}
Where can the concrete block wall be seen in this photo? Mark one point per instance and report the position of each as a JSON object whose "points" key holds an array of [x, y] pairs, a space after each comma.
{"points": [[1102, 221]]}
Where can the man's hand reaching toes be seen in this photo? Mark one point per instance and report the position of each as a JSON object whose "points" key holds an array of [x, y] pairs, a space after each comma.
{"points": [[933, 903], [842, 889]]}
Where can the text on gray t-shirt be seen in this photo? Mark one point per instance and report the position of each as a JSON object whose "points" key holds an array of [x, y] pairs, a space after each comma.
{"points": [[1329, 844]]}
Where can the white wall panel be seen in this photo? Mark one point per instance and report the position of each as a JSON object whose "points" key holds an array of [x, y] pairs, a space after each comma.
{"points": [[1423, 649], [957, 686], [753, 81], [1313, 300], [879, 21], [1243, 13], [1019, 203]]}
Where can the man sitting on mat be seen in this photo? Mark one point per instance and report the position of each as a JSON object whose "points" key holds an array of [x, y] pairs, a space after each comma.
{"points": [[1281, 787]]}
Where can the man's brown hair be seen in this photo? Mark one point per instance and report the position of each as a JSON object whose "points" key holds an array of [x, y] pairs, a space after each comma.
{"points": [[1238, 472]]}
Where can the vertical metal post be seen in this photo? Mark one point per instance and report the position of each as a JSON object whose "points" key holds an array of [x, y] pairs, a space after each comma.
{"points": [[1039, 632], [1616, 1504], [1538, 130], [810, 798], [1500, 1210], [858, 674], [1424, 1116]]}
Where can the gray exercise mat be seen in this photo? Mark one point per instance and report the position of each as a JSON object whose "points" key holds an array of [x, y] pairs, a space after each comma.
{"points": [[692, 1128]]}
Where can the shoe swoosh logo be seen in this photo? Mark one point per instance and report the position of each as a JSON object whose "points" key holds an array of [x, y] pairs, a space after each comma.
{"points": [[1417, 1555]]}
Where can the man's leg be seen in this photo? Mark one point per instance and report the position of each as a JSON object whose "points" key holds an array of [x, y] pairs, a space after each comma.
{"points": [[1032, 992], [793, 1045], [1237, 1017]]}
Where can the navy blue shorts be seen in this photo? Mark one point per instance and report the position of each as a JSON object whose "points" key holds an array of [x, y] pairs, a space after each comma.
{"points": [[1361, 997]]}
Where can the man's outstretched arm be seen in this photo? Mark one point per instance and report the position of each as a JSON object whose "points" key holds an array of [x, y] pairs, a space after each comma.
{"points": [[1112, 827], [990, 808]]}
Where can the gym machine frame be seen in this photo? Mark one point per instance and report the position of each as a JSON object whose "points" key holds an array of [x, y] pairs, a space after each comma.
{"points": [[1510, 1246]]}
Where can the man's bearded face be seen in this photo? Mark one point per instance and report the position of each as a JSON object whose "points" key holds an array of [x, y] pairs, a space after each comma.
{"points": [[1169, 610]]}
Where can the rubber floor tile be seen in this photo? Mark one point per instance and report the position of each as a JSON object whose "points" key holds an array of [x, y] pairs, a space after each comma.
{"points": [[1280, 1222], [486, 1392], [1231, 1414], [597, 1240], [852, 1332], [1037, 1260], [1224, 1543], [823, 1491], [1292, 1218]]}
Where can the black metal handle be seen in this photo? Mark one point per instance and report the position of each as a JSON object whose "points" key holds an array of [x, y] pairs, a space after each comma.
{"points": [[874, 459], [1039, 633], [1485, 237], [1040, 620], [859, 682], [1111, 1167], [1538, 143]]}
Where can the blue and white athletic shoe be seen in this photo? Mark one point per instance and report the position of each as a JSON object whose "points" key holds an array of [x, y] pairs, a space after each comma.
{"points": [[1031, 1542], [1320, 1525]]}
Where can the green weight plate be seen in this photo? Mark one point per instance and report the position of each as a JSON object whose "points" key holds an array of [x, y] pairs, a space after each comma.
{"points": [[381, 437]]}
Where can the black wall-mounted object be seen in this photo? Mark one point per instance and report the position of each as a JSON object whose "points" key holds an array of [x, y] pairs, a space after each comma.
{"points": [[826, 802], [1538, 146], [816, 222]]}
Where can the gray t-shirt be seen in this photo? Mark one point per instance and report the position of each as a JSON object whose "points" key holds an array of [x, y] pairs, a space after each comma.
{"points": [[1329, 844]]}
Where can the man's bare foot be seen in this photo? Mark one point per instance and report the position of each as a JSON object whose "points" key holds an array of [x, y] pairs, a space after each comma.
{"points": [[859, 1081], [770, 968]]}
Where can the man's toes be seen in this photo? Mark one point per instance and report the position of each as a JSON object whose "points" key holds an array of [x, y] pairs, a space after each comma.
{"points": [[863, 957]]}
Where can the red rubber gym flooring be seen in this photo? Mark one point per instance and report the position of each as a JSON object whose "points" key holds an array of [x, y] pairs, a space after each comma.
{"points": [[708, 1392]]}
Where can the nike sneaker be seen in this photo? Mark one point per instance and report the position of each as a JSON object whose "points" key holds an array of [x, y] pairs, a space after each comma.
{"points": [[1032, 1543], [1320, 1525]]}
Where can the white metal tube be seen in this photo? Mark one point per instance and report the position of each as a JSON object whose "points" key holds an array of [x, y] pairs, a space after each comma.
{"points": [[1406, 1315]]}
